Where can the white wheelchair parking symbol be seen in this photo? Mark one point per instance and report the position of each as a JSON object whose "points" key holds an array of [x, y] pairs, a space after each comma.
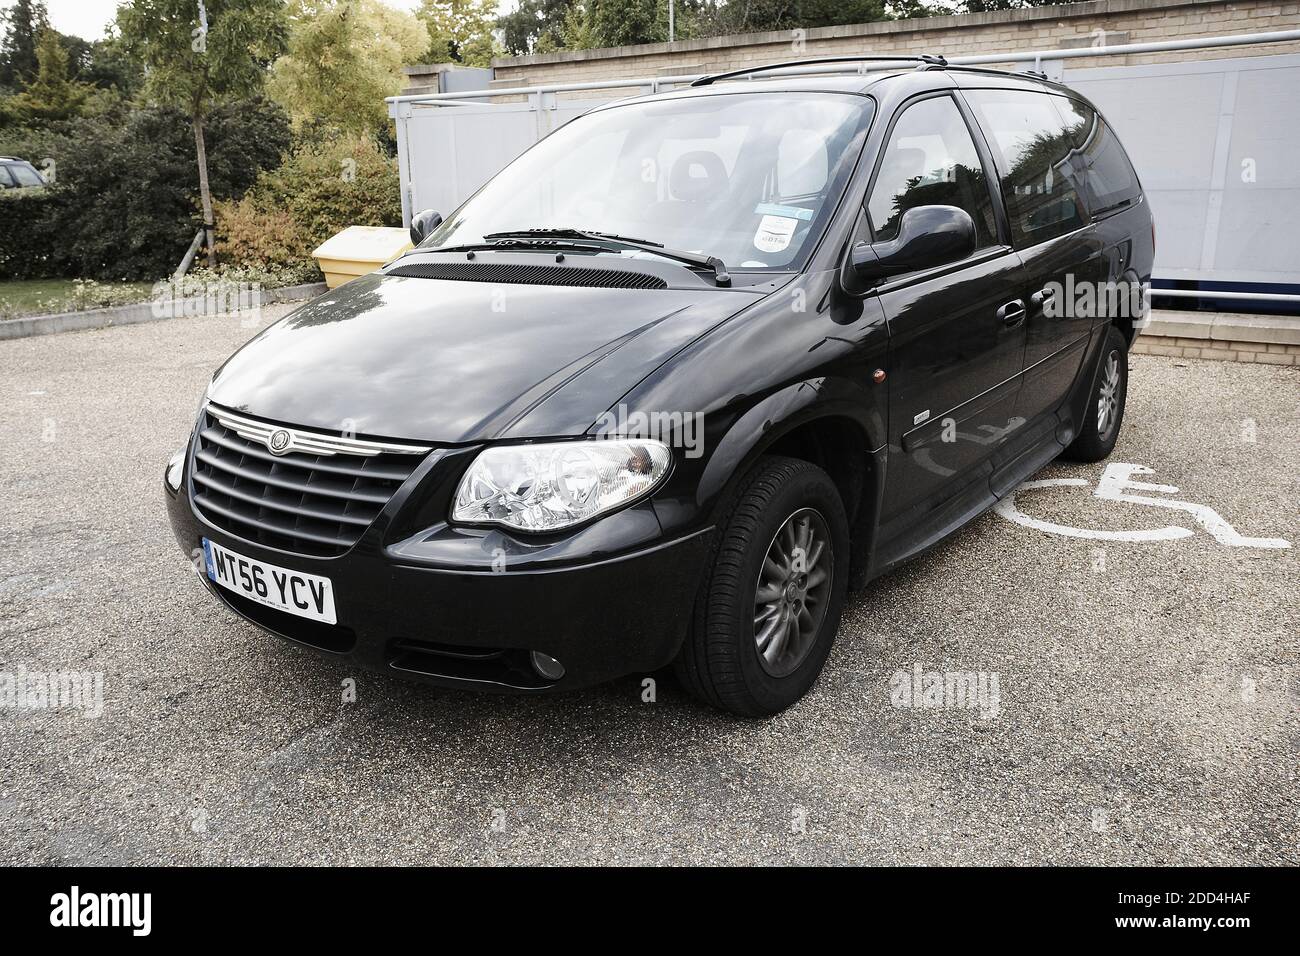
{"points": [[1115, 484]]}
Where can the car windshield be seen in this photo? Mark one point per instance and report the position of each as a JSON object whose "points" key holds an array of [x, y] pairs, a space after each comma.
{"points": [[749, 178]]}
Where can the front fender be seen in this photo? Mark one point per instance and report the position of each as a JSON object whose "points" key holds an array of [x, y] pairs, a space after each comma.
{"points": [[804, 352], [782, 412]]}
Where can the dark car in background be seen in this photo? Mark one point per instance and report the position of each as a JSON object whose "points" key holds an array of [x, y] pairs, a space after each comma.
{"points": [[675, 380]]}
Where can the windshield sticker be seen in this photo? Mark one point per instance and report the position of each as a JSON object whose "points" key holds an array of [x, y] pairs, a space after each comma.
{"points": [[772, 209], [774, 233]]}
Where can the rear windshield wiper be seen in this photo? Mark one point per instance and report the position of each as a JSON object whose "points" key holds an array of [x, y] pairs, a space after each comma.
{"points": [[699, 260]]}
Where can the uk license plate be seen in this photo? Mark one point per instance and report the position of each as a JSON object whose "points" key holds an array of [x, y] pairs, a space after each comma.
{"points": [[294, 592]]}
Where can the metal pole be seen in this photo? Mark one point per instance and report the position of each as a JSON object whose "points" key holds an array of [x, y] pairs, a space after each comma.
{"points": [[671, 29], [1154, 293], [188, 259]]}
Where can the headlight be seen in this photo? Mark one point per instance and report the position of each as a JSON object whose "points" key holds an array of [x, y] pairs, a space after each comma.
{"points": [[549, 487]]}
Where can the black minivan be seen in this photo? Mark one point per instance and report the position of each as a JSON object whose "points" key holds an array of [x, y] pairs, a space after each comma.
{"points": [[676, 379]]}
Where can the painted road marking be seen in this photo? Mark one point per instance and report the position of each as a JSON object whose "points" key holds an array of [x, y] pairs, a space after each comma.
{"points": [[1114, 485]]}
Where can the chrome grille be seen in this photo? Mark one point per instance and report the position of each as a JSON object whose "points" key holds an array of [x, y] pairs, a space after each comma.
{"points": [[317, 495]]}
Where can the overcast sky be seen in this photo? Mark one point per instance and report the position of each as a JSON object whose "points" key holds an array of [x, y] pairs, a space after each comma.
{"points": [[88, 18]]}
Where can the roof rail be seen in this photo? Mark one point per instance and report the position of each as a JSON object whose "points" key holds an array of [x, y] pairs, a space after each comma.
{"points": [[1036, 74], [925, 60]]}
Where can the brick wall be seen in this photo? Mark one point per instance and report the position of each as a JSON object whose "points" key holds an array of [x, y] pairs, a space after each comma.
{"points": [[1068, 25], [1271, 353], [1227, 337]]}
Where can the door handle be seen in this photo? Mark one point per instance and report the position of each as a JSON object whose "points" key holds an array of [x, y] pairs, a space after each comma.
{"points": [[1013, 313], [1042, 296]]}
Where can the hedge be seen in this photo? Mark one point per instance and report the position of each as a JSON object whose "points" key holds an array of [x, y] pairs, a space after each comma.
{"points": [[123, 206], [328, 183]]}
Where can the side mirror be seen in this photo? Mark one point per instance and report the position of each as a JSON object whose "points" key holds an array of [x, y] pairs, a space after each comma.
{"points": [[928, 236], [423, 223]]}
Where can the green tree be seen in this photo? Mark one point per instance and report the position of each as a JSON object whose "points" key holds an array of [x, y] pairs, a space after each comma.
{"points": [[460, 31], [754, 16], [627, 22], [984, 6], [575, 32], [540, 26], [197, 52], [106, 64], [52, 94], [343, 58], [902, 9], [23, 24], [536, 26], [914, 9]]}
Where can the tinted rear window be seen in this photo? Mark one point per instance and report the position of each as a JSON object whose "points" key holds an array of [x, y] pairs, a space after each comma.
{"points": [[1109, 175]]}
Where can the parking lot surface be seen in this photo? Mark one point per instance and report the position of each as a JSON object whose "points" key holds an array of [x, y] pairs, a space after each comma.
{"points": [[1145, 705]]}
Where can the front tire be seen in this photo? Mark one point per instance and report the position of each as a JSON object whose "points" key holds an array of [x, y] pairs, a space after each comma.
{"points": [[1104, 412], [768, 611]]}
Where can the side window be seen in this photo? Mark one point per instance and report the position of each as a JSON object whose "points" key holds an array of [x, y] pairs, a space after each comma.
{"points": [[931, 160], [25, 175], [6, 181], [1039, 178], [1111, 182]]}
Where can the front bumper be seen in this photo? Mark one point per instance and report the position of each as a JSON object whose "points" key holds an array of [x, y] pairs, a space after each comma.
{"points": [[465, 607]]}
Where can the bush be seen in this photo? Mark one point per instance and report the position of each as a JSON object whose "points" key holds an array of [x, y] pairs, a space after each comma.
{"points": [[322, 188], [89, 294], [256, 238], [243, 139], [124, 202], [197, 280], [26, 233]]}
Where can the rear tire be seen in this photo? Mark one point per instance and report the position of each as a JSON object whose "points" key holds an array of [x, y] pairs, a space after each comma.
{"points": [[1104, 412], [768, 610]]}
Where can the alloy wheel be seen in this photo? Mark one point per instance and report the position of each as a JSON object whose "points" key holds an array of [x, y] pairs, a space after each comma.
{"points": [[1108, 395], [793, 592]]}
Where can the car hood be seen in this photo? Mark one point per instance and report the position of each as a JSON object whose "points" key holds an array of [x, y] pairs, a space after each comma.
{"points": [[450, 361]]}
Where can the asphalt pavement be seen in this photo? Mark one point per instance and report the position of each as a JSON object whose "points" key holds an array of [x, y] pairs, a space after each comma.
{"points": [[1137, 699]]}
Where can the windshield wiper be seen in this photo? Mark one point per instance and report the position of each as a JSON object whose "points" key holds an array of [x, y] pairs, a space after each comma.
{"points": [[522, 242], [565, 232], [699, 260], [507, 244]]}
